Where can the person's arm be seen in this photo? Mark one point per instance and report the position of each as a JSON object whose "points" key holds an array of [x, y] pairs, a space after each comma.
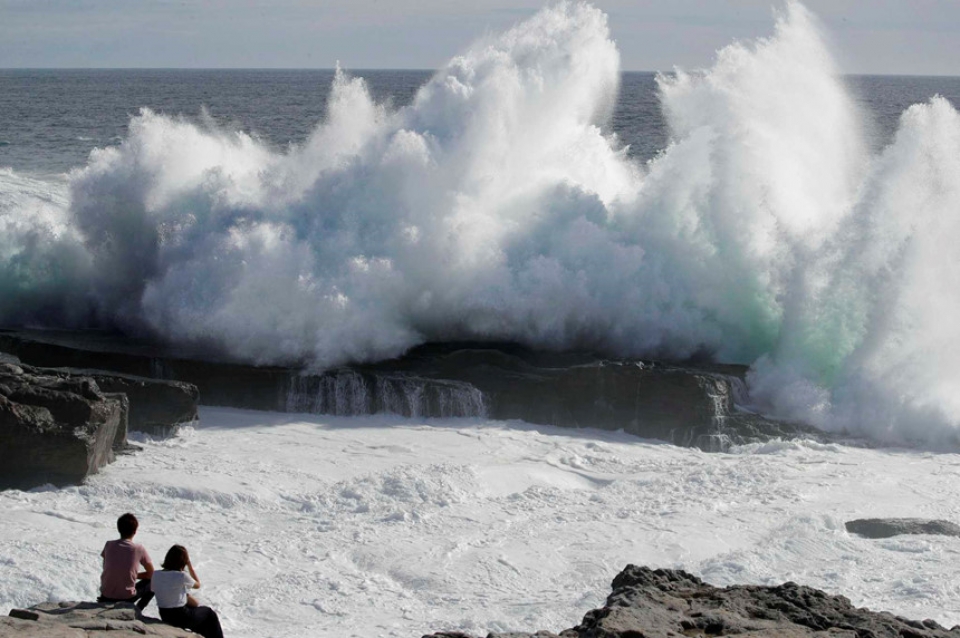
{"points": [[191, 601], [147, 564], [147, 573], [193, 575]]}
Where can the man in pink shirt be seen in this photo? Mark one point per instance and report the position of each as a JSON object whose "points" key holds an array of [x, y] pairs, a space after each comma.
{"points": [[122, 580]]}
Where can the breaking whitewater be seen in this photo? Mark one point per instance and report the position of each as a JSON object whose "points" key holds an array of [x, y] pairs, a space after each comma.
{"points": [[497, 204]]}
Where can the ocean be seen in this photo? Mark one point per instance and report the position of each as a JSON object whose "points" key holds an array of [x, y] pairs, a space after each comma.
{"points": [[50, 119], [767, 210], [719, 279]]}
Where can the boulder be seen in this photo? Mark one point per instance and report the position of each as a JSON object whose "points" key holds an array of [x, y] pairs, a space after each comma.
{"points": [[54, 429], [887, 527], [157, 406], [85, 620], [662, 603]]}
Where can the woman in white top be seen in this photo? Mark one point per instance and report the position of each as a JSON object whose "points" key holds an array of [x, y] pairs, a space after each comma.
{"points": [[177, 607]]}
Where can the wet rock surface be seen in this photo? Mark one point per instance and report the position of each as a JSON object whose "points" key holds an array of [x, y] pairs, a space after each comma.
{"points": [[55, 429], [888, 527], [59, 425], [157, 406], [84, 620], [689, 404], [662, 603]]}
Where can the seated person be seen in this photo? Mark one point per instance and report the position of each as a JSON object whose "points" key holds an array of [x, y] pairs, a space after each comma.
{"points": [[177, 607], [121, 580]]}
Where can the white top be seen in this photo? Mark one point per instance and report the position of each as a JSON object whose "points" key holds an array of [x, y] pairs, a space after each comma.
{"points": [[171, 588]]}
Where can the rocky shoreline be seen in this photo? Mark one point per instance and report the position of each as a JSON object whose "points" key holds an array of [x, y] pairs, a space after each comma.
{"points": [[665, 603], [60, 424], [644, 603], [694, 404], [67, 399]]}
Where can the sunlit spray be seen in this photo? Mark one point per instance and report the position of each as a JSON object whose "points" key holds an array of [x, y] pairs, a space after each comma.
{"points": [[497, 206]]}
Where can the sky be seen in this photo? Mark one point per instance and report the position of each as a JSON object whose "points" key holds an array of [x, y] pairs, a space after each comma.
{"points": [[920, 37]]}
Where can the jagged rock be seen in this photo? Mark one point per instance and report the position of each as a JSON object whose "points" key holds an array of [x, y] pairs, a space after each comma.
{"points": [[85, 620], [887, 527], [157, 406], [54, 429], [662, 603]]}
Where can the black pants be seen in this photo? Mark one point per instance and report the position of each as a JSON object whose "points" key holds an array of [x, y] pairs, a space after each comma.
{"points": [[142, 598], [201, 620]]}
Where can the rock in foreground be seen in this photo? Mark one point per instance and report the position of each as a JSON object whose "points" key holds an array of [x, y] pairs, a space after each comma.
{"points": [[662, 603], [85, 620]]}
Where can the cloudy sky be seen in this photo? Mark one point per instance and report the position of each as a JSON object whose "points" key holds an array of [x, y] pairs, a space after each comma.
{"points": [[871, 36]]}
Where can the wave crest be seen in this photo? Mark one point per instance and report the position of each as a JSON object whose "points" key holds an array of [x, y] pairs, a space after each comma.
{"points": [[496, 206]]}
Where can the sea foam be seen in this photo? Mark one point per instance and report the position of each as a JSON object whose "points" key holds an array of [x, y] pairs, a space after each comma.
{"points": [[497, 206]]}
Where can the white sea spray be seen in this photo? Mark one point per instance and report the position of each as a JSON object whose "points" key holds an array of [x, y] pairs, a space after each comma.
{"points": [[496, 206]]}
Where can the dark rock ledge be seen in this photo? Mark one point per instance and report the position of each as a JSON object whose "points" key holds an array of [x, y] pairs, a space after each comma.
{"points": [[61, 425], [662, 603], [85, 620], [690, 403], [56, 430]]}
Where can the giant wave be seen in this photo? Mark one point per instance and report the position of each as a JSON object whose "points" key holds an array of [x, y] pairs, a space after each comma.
{"points": [[496, 206]]}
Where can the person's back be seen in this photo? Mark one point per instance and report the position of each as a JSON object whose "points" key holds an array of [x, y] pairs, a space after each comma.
{"points": [[177, 607], [121, 564], [171, 587], [121, 579]]}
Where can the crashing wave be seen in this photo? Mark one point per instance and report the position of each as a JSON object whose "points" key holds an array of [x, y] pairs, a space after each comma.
{"points": [[497, 206]]}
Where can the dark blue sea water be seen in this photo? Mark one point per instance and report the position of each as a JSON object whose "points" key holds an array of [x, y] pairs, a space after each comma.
{"points": [[51, 119]]}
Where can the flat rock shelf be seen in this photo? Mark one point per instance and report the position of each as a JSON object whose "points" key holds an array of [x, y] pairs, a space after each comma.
{"points": [[85, 620], [688, 403]]}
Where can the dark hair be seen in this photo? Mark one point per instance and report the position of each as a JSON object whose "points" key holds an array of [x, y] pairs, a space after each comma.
{"points": [[176, 558], [127, 525]]}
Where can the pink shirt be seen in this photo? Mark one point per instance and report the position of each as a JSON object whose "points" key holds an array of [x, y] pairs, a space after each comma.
{"points": [[121, 562]]}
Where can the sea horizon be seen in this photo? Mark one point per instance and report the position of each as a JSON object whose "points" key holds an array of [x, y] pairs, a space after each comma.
{"points": [[350, 69]]}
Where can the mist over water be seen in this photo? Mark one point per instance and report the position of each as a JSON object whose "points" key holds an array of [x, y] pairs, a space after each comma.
{"points": [[497, 205]]}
